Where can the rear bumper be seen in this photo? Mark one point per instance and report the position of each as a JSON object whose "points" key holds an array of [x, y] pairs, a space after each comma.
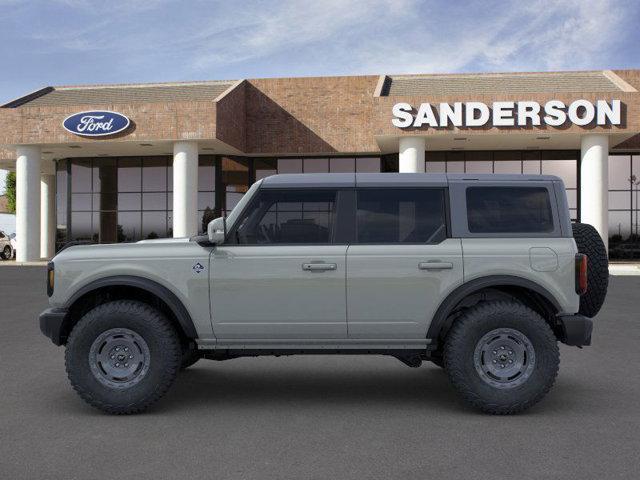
{"points": [[575, 330], [51, 321]]}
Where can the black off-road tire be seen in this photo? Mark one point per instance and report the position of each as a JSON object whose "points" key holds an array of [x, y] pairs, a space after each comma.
{"points": [[590, 243], [470, 330], [190, 356], [7, 254], [163, 347], [437, 360]]}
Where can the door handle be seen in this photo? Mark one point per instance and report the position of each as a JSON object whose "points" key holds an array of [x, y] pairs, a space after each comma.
{"points": [[318, 267], [435, 265]]}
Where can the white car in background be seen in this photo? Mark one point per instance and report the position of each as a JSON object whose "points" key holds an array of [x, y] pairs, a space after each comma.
{"points": [[14, 243], [7, 245]]}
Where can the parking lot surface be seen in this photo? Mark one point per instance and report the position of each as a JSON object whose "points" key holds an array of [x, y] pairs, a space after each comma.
{"points": [[340, 417]]}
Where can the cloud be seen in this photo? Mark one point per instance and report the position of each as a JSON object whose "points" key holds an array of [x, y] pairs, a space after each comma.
{"points": [[291, 25], [539, 35], [83, 41], [408, 37]]}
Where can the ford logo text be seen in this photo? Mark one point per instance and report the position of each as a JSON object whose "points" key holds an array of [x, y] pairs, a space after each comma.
{"points": [[96, 124]]}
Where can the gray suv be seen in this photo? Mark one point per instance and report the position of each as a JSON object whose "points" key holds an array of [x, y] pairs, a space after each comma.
{"points": [[481, 275]]}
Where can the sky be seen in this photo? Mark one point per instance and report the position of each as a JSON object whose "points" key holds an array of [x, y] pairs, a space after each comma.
{"points": [[71, 42]]}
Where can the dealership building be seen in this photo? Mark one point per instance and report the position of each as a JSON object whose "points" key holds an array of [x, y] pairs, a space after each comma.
{"points": [[114, 163]]}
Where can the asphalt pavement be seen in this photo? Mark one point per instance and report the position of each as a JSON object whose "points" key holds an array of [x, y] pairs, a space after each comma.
{"points": [[320, 417]]}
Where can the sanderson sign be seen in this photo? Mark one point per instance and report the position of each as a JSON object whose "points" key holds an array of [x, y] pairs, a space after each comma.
{"points": [[96, 123], [507, 114]]}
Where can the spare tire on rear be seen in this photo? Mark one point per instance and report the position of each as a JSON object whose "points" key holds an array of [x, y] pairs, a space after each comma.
{"points": [[589, 242]]}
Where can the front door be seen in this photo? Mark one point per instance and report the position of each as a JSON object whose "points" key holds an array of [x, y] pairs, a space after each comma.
{"points": [[281, 274], [401, 265]]}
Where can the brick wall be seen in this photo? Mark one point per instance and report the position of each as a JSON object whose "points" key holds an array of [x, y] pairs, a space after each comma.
{"points": [[230, 117], [313, 115], [149, 121]]}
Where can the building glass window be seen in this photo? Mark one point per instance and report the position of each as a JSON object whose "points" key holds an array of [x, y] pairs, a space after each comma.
{"points": [[126, 199], [206, 191], [531, 167], [265, 167], [234, 181], [624, 205], [61, 203], [154, 174], [567, 170], [455, 166], [389, 163], [507, 166], [289, 165], [316, 165], [435, 167], [109, 196], [479, 167], [531, 162], [342, 165], [368, 165], [129, 174]]}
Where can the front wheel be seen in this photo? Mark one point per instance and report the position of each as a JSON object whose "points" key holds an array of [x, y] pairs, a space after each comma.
{"points": [[190, 356], [502, 357], [6, 253], [122, 356]]}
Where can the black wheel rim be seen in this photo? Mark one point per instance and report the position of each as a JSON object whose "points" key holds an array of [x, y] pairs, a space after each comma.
{"points": [[119, 358], [504, 358]]}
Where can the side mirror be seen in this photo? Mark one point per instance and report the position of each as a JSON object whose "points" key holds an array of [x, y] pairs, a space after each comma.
{"points": [[216, 230]]}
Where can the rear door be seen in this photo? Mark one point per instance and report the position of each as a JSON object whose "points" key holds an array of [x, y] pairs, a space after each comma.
{"points": [[402, 263], [282, 275]]}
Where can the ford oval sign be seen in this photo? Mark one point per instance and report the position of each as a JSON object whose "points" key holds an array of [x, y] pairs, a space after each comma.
{"points": [[96, 124]]}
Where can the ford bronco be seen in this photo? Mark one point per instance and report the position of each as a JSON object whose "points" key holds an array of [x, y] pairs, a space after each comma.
{"points": [[481, 275]]}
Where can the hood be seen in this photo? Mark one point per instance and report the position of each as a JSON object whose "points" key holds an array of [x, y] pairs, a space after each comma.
{"points": [[105, 251], [166, 240]]}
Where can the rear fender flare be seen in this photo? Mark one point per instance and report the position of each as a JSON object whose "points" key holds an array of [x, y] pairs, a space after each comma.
{"points": [[439, 321]]}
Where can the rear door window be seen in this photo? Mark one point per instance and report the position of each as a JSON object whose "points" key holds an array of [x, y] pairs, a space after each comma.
{"points": [[509, 210], [401, 215]]}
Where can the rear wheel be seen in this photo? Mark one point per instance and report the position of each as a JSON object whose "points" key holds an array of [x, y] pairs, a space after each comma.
{"points": [[6, 253], [589, 242], [122, 356], [502, 357]]}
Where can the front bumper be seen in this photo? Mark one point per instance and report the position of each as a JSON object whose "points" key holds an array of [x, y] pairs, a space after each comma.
{"points": [[51, 323], [575, 330]]}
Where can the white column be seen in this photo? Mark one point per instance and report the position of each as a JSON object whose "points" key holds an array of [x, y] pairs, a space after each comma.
{"points": [[185, 189], [594, 183], [47, 215], [28, 203], [411, 154]]}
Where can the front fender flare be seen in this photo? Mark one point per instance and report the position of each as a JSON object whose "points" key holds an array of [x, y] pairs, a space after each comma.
{"points": [[167, 296]]}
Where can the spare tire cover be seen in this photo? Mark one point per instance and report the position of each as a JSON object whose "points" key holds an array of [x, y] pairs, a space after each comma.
{"points": [[589, 242]]}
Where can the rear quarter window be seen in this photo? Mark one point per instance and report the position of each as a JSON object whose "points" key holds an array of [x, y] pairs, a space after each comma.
{"points": [[509, 210]]}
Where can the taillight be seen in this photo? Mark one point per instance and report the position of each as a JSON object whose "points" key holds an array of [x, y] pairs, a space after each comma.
{"points": [[581, 273], [51, 277]]}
